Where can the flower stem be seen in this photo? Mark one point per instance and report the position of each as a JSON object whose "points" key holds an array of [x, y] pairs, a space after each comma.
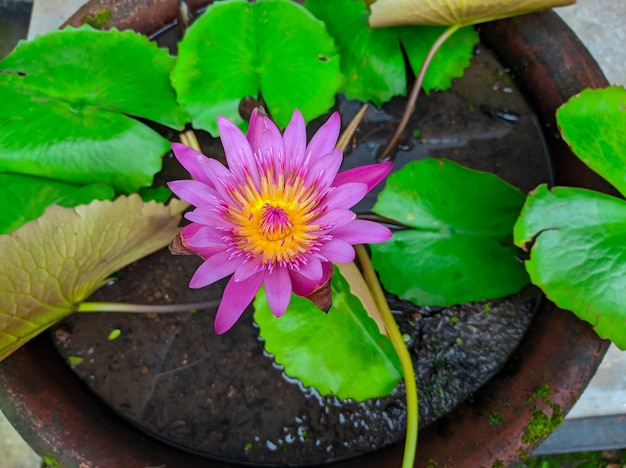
{"points": [[415, 91], [410, 443], [143, 308]]}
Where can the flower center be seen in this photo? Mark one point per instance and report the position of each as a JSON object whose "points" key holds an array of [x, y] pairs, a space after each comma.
{"points": [[274, 223]]}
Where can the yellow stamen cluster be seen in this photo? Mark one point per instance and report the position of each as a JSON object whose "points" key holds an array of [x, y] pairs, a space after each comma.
{"points": [[275, 223]]}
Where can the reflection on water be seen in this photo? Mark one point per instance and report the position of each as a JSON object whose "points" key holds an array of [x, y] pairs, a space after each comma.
{"points": [[14, 18]]}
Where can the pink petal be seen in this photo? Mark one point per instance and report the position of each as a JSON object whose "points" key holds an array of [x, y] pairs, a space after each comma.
{"points": [[278, 290], [302, 286], [337, 250], [334, 219], [213, 269], [209, 216], [370, 175], [205, 241], [361, 231], [247, 269], [193, 161], [312, 270], [193, 191], [324, 170], [345, 196], [325, 139], [237, 296], [238, 152], [294, 139]]}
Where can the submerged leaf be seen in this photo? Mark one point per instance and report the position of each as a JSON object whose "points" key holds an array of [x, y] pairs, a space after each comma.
{"points": [[576, 239], [53, 263], [450, 12], [459, 247], [594, 124], [341, 353], [66, 101], [278, 50]]}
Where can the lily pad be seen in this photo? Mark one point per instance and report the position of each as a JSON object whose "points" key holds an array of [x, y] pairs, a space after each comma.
{"points": [[67, 102], [576, 239], [373, 60], [449, 12], [459, 243], [342, 353], [24, 198], [272, 47], [53, 263], [593, 123]]}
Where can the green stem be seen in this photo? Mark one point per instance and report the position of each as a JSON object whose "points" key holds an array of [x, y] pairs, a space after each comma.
{"points": [[415, 91], [410, 443], [143, 308]]}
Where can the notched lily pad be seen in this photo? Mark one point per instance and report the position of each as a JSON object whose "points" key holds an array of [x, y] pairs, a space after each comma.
{"points": [[576, 239], [342, 353], [66, 101], [53, 263], [277, 49], [459, 243]]}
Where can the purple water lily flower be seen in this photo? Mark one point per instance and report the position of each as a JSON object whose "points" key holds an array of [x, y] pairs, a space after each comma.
{"points": [[279, 215]]}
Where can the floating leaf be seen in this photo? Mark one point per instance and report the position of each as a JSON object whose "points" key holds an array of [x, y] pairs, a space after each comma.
{"points": [[66, 100], [238, 49], [53, 263], [576, 239], [594, 124], [341, 353], [460, 245], [24, 198], [449, 12], [371, 59]]}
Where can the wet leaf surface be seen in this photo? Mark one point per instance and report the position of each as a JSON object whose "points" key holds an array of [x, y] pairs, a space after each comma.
{"points": [[459, 247], [341, 353], [66, 101]]}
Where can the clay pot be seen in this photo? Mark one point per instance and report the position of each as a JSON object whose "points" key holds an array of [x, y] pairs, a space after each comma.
{"points": [[59, 417]]}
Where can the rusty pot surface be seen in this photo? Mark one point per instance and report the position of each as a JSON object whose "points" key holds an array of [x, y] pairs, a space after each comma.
{"points": [[504, 421]]}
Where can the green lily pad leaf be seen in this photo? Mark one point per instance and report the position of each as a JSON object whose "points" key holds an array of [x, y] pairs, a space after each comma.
{"points": [[449, 12], [576, 239], [459, 247], [53, 263], [24, 198], [66, 101], [593, 123], [341, 353], [449, 62], [277, 49], [371, 59]]}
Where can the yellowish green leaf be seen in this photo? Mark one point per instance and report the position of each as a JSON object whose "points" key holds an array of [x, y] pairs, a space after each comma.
{"points": [[51, 264], [450, 12]]}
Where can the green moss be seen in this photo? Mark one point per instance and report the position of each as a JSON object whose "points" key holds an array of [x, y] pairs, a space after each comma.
{"points": [[498, 464], [50, 462], [495, 419], [542, 424], [98, 19]]}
